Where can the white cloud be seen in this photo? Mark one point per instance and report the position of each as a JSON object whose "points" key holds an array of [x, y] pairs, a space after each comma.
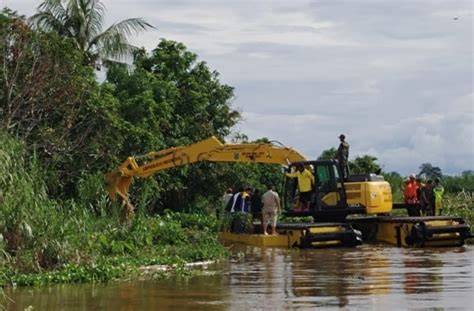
{"points": [[395, 77]]}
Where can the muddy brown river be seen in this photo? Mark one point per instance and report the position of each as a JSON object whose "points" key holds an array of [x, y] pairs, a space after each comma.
{"points": [[366, 277]]}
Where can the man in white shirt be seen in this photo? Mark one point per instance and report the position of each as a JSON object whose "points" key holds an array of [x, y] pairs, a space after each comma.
{"points": [[271, 205]]}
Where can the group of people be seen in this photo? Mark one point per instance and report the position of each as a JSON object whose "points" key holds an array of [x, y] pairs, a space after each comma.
{"points": [[248, 201], [427, 196]]}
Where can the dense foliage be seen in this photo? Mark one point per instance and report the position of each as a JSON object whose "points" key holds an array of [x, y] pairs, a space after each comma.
{"points": [[170, 99]]}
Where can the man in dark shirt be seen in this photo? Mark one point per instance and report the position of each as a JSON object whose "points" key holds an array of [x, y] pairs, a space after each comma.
{"points": [[256, 204], [343, 156], [427, 199]]}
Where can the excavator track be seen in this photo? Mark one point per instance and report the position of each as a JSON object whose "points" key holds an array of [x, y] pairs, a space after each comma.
{"points": [[301, 235], [443, 231]]}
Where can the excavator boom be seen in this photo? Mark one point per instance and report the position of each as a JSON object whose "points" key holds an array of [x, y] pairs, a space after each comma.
{"points": [[210, 149]]}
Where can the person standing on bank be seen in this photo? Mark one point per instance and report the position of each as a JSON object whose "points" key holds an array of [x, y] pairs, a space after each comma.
{"points": [[271, 206], [343, 156]]}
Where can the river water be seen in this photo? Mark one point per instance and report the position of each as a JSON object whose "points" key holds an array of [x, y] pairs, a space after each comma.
{"points": [[373, 277]]}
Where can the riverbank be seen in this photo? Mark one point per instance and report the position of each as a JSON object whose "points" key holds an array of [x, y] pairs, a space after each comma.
{"points": [[44, 240], [101, 252]]}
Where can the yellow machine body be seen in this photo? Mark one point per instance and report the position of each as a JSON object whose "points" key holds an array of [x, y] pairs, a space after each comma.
{"points": [[376, 196]]}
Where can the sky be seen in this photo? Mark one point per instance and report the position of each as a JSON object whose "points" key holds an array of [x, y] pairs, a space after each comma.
{"points": [[396, 77]]}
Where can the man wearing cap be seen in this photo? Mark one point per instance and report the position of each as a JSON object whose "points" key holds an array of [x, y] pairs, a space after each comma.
{"points": [[343, 155]]}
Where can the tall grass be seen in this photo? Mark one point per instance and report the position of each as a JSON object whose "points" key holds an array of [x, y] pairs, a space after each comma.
{"points": [[44, 240], [460, 204]]}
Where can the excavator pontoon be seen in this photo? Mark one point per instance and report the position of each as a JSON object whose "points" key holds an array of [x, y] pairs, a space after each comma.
{"points": [[344, 210]]}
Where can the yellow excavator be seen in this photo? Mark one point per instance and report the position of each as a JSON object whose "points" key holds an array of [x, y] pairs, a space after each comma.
{"points": [[211, 150], [333, 198]]}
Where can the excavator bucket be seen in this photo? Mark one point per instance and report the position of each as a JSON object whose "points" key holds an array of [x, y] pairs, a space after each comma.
{"points": [[117, 184]]}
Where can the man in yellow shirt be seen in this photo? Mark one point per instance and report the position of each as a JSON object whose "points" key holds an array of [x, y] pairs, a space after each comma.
{"points": [[438, 191], [305, 184]]}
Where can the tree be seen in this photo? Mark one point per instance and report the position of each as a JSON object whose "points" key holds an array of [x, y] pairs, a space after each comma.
{"points": [[171, 99], [82, 21], [49, 99], [328, 154], [429, 171], [41, 84], [364, 165], [396, 183]]}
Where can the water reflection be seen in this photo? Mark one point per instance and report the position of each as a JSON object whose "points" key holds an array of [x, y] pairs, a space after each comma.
{"points": [[317, 278], [422, 274], [377, 277]]}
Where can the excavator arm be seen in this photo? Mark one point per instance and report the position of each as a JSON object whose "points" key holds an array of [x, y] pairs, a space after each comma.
{"points": [[211, 149]]}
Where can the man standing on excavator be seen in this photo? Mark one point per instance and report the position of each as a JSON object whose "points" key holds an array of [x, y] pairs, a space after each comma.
{"points": [[271, 206], [343, 156], [305, 184]]}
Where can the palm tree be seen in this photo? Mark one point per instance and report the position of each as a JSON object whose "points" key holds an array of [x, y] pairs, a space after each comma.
{"points": [[82, 20]]}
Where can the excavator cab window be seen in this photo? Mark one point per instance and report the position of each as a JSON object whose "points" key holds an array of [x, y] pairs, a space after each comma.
{"points": [[323, 178], [329, 190]]}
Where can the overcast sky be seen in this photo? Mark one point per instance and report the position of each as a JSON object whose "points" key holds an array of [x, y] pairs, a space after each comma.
{"points": [[395, 76]]}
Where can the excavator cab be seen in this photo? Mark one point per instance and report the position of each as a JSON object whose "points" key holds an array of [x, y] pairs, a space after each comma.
{"points": [[328, 197]]}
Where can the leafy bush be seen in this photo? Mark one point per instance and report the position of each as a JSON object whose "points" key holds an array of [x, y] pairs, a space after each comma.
{"points": [[238, 222]]}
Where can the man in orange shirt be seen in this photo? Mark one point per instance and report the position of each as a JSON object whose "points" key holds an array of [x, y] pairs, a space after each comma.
{"points": [[410, 191]]}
